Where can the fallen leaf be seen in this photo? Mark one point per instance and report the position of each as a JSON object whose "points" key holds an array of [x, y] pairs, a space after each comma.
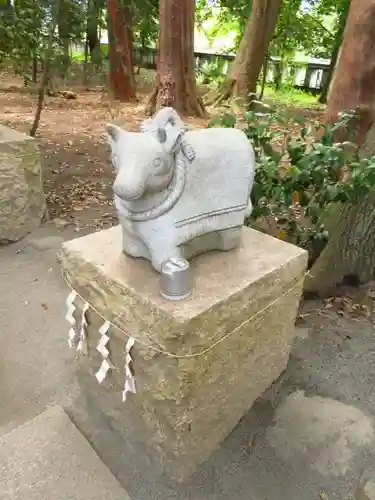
{"points": [[344, 304]]}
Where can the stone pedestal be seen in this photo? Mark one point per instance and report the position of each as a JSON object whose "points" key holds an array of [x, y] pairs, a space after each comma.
{"points": [[244, 301], [367, 492], [22, 202]]}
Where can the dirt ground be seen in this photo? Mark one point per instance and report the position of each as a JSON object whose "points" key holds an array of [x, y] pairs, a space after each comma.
{"points": [[77, 171]]}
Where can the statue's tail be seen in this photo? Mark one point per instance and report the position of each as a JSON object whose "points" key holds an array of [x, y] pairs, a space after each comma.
{"points": [[249, 208], [253, 162]]}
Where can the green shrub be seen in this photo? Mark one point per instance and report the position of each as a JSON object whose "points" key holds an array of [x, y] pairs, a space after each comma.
{"points": [[211, 72], [299, 174]]}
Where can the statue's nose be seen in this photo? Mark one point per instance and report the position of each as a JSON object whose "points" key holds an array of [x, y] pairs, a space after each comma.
{"points": [[127, 193]]}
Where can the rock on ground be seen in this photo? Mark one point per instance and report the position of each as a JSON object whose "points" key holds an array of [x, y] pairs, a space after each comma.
{"points": [[367, 492], [22, 201], [328, 435]]}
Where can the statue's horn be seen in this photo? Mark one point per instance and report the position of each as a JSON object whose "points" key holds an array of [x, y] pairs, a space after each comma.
{"points": [[162, 135]]}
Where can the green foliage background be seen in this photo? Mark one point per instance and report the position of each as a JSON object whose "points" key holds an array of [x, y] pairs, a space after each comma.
{"points": [[310, 26]]}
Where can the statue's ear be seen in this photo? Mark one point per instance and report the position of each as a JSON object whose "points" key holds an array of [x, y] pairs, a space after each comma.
{"points": [[170, 136], [162, 135], [113, 132]]}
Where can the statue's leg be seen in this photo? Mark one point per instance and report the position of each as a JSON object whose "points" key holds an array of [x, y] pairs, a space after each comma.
{"points": [[229, 238], [134, 246], [163, 252], [249, 208]]}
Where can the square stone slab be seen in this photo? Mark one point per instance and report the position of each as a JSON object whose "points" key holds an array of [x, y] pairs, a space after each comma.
{"points": [[200, 363], [47, 458]]}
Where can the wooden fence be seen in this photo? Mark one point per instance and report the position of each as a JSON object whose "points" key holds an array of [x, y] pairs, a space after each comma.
{"points": [[309, 76]]}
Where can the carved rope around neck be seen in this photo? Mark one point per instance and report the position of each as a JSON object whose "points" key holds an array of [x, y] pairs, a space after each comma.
{"points": [[174, 193]]}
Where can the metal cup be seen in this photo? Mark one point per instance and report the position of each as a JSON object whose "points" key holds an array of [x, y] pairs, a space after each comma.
{"points": [[175, 279]]}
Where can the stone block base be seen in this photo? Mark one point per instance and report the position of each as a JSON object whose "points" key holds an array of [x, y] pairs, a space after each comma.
{"points": [[22, 201], [367, 492], [226, 344]]}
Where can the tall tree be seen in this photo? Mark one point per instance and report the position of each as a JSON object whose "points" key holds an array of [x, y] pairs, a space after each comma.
{"points": [[63, 18], [94, 11], [47, 56], [120, 49], [146, 24], [351, 247], [70, 22], [287, 37], [19, 46], [175, 84], [339, 33], [246, 68]]}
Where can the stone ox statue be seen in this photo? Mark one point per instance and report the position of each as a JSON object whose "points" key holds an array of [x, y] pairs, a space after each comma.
{"points": [[179, 193]]}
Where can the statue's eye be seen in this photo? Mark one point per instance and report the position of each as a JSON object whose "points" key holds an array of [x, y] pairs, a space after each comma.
{"points": [[157, 162]]}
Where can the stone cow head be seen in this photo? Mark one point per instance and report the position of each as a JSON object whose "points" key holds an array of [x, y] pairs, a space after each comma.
{"points": [[145, 162]]}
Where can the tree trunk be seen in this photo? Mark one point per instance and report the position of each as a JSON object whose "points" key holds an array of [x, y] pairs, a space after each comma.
{"points": [[350, 252], [246, 68], [335, 54], [279, 71], [92, 37], [175, 84], [120, 50], [353, 82], [63, 19], [351, 247], [264, 77], [35, 67], [94, 10], [86, 63], [328, 80], [46, 68]]}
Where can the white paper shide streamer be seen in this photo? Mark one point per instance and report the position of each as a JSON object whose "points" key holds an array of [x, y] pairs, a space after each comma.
{"points": [[73, 334], [82, 344], [78, 339], [106, 365], [129, 377]]}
